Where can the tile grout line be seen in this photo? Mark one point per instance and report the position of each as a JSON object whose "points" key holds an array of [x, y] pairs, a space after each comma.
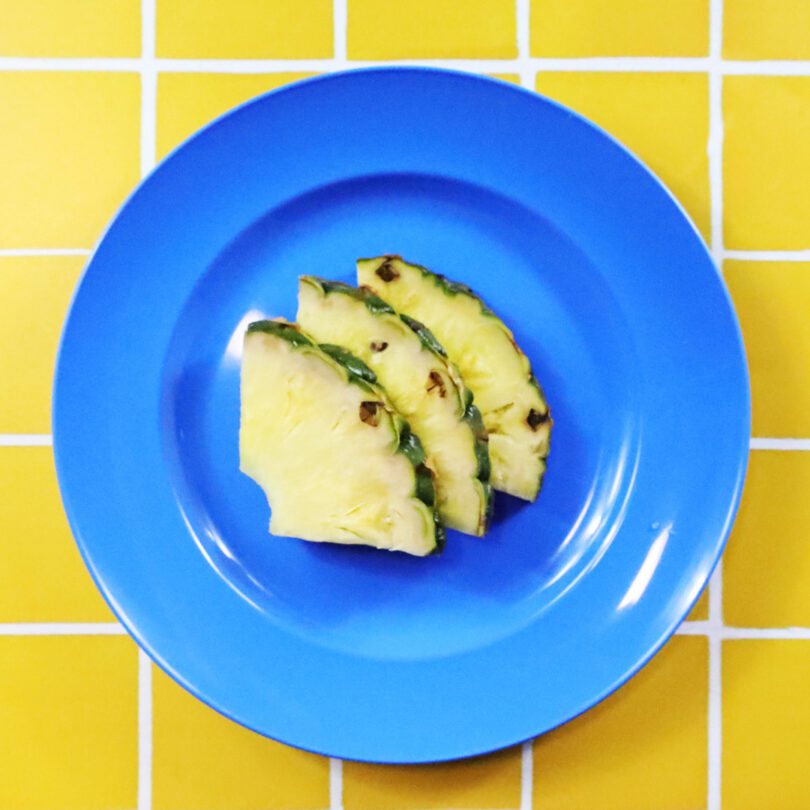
{"points": [[44, 252], [527, 775], [148, 146], [144, 731], [667, 64], [26, 440], [62, 629], [714, 720], [523, 35], [335, 783]]}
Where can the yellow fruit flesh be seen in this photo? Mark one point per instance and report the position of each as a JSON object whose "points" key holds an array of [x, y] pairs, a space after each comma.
{"points": [[490, 362], [421, 386], [328, 475]]}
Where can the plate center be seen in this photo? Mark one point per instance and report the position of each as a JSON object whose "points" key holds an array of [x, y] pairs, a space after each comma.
{"points": [[552, 296]]}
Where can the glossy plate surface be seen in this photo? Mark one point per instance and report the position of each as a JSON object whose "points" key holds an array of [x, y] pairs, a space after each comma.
{"points": [[608, 288]]}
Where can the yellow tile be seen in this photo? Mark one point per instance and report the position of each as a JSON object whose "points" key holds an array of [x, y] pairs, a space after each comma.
{"points": [[240, 29], [619, 28], [644, 747], [512, 78], [483, 782], [766, 162], [70, 148], [766, 29], [42, 577], [662, 117], [766, 724], [772, 300], [78, 28], [202, 761], [700, 611], [767, 564], [68, 722], [187, 101], [432, 29], [34, 295]]}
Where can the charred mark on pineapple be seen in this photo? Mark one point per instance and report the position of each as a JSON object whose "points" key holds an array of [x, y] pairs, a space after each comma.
{"points": [[378, 345], [435, 380], [369, 412], [535, 418], [386, 272]]}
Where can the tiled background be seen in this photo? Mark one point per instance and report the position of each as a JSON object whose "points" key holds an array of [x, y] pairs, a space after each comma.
{"points": [[714, 95]]}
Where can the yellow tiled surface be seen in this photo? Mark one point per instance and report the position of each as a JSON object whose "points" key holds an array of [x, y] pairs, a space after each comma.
{"points": [[187, 101], [42, 577], [34, 295], [767, 567], [203, 761], [766, 724], [645, 746], [60, 191], [483, 782], [239, 29], [619, 28], [766, 29], [662, 117], [71, 140], [78, 28], [773, 301], [68, 723], [425, 29], [766, 165]]}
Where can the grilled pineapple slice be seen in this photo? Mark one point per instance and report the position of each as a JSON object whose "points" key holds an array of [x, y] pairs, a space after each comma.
{"points": [[514, 408], [423, 385], [335, 459]]}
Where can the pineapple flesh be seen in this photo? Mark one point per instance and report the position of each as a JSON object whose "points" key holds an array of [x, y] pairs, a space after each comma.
{"points": [[423, 385], [334, 458], [514, 408]]}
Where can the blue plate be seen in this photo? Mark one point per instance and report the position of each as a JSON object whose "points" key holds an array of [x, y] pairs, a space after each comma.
{"points": [[609, 289]]}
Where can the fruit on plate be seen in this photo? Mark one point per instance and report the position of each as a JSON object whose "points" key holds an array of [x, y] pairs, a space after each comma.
{"points": [[512, 403], [337, 462], [424, 386]]}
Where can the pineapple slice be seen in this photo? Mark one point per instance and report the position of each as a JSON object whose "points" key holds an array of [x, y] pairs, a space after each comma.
{"points": [[514, 408], [335, 459], [423, 385]]}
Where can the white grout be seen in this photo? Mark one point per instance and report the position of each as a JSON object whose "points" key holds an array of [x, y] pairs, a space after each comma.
{"points": [[655, 64], [144, 731], [768, 255], [523, 23], [780, 444], [148, 73], [527, 775], [527, 81], [339, 29], [62, 629], [335, 784], [26, 439], [44, 252]]}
